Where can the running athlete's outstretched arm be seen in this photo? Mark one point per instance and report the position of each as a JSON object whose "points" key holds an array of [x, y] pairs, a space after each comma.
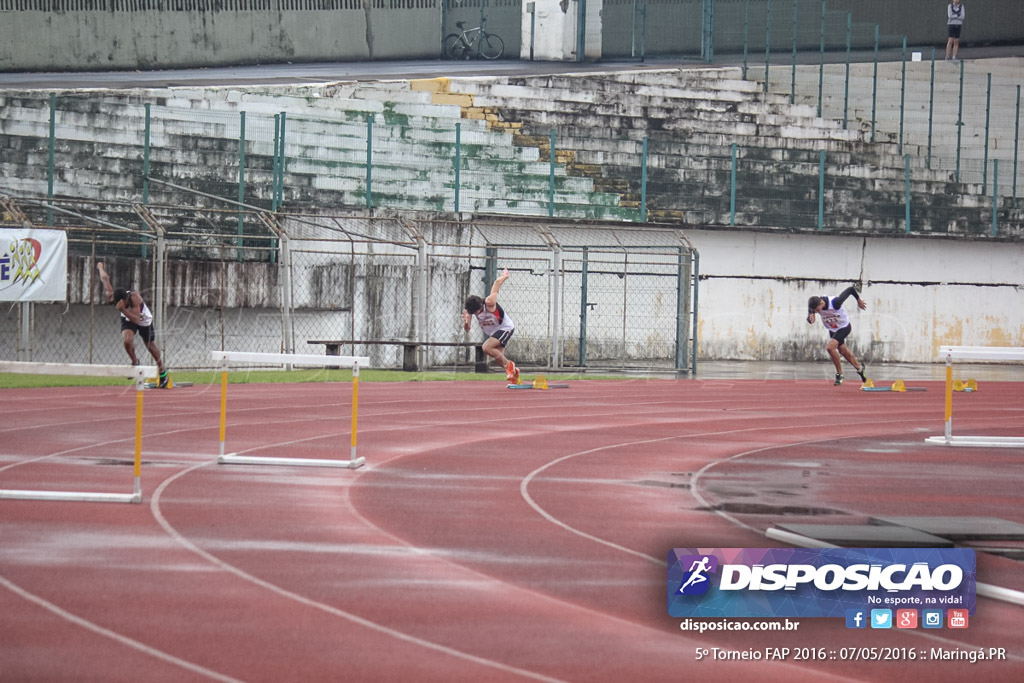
{"points": [[849, 291], [492, 298], [108, 289]]}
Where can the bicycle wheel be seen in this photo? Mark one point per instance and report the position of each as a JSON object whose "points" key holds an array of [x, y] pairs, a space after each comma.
{"points": [[454, 48], [491, 46]]}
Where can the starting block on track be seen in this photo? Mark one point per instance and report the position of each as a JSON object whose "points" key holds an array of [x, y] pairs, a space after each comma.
{"points": [[154, 383], [899, 386], [965, 385], [539, 383]]}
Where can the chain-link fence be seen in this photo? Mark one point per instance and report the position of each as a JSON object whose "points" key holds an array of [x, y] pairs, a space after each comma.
{"points": [[583, 295]]}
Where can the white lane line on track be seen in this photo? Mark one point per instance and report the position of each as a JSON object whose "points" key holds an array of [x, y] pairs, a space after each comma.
{"points": [[696, 494], [524, 486], [334, 611], [113, 635]]}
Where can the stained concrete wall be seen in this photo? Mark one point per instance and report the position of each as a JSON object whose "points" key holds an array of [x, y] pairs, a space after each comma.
{"points": [[38, 35], [921, 294], [91, 40]]}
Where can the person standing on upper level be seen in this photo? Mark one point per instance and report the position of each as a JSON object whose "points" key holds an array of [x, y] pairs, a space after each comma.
{"points": [[954, 22]]}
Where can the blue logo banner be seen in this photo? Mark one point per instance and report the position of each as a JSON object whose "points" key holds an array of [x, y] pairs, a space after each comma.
{"points": [[818, 582]]}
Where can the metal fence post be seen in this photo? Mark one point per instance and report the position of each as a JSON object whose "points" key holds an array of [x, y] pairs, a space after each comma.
{"points": [[821, 189], [369, 161], [50, 170], [420, 296], [732, 189], [584, 273], [960, 121], [160, 298], [287, 324], [931, 111], [995, 197], [746, 35], [906, 192], [792, 77], [556, 309], [643, 184], [276, 162], [25, 350], [846, 81], [988, 112], [458, 162], [1016, 145], [874, 88], [694, 306], [767, 43], [241, 181], [145, 180], [682, 287], [821, 61], [903, 91], [551, 175], [282, 163]]}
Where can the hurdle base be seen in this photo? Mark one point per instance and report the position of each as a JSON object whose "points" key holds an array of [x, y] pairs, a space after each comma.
{"points": [[233, 459], [73, 496], [978, 441]]}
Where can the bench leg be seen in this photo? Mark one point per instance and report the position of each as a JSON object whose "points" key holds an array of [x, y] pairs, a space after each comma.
{"points": [[410, 363], [481, 359], [333, 349]]}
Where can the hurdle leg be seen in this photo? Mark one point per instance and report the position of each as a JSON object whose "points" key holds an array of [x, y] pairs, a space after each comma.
{"points": [[949, 398], [140, 386], [355, 408], [223, 405]]}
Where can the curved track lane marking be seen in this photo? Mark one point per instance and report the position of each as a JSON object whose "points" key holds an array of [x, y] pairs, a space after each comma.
{"points": [[524, 485], [696, 494], [154, 506], [113, 635]]}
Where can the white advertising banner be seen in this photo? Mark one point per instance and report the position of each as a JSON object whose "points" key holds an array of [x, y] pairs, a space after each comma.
{"points": [[33, 265]]}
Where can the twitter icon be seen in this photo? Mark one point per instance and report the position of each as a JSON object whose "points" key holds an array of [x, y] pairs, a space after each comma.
{"points": [[881, 618]]}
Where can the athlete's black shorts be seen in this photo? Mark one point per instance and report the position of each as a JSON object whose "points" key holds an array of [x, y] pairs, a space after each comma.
{"points": [[954, 30], [841, 334], [503, 336], [146, 332]]}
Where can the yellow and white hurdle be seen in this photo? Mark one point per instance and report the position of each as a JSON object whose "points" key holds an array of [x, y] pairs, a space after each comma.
{"points": [[137, 373], [225, 358], [978, 353]]}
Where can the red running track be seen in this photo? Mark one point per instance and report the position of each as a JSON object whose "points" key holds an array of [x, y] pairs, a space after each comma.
{"points": [[493, 535]]}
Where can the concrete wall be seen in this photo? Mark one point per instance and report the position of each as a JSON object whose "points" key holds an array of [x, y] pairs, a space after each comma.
{"points": [[146, 39], [921, 294], [35, 37], [924, 21]]}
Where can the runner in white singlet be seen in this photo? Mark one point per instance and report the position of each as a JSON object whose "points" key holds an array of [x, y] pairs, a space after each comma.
{"points": [[837, 322]]}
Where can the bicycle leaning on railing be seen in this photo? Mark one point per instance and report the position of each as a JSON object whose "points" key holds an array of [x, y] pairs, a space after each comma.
{"points": [[473, 41]]}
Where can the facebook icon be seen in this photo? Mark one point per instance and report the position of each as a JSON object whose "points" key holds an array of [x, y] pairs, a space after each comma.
{"points": [[856, 618]]}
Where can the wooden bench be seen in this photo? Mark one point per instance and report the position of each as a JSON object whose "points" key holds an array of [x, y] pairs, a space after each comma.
{"points": [[410, 350]]}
